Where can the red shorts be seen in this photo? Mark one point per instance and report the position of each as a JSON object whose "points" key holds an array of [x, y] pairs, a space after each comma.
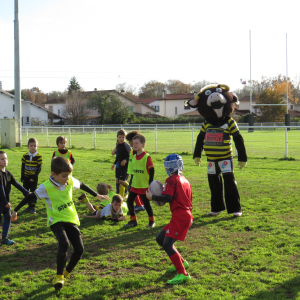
{"points": [[180, 222]]}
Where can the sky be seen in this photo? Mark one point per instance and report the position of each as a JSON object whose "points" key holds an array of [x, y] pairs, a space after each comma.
{"points": [[104, 43]]}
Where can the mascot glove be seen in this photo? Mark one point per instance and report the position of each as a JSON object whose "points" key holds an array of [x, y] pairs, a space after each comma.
{"points": [[197, 161], [242, 164]]}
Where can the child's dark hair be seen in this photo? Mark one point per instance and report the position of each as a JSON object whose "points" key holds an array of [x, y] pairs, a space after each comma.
{"points": [[117, 198], [32, 140], [140, 137], [131, 135], [102, 188], [121, 132], [2, 152], [61, 139], [60, 164]]}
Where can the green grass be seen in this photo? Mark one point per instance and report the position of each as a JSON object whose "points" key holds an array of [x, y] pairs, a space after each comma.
{"points": [[260, 143], [252, 257]]}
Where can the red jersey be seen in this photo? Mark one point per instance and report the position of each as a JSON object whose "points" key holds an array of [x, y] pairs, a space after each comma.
{"points": [[149, 166], [180, 189]]}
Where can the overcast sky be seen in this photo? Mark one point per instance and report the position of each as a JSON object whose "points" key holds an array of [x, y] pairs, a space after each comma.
{"points": [[103, 43]]}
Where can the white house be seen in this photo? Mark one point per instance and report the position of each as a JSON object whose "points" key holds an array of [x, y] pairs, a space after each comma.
{"points": [[30, 111], [170, 105], [57, 106]]}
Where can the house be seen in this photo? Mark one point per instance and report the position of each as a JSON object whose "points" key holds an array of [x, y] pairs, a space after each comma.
{"points": [[32, 113], [170, 105], [137, 107]]}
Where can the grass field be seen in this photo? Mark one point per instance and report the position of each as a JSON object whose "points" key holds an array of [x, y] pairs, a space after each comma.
{"points": [[256, 256], [260, 143]]}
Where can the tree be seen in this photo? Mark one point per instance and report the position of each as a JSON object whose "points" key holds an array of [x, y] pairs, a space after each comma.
{"points": [[23, 94], [152, 89], [110, 108], [177, 87], [270, 113], [196, 87], [40, 97], [76, 108], [127, 90], [56, 95], [73, 85]]}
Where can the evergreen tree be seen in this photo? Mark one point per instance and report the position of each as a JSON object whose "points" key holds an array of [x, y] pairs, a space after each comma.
{"points": [[74, 85]]}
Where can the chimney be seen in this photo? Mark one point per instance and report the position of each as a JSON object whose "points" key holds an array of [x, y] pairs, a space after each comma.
{"points": [[164, 94]]}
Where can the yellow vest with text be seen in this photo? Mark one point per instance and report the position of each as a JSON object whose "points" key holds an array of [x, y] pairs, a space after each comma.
{"points": [[67, 155], [61, 207], [140, 173]]}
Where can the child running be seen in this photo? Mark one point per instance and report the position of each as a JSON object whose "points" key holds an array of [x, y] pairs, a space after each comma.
{"points": [[61, 214], [6, 180], [142, 168], [178, 192], [31, 168], [61, 143], [112, 211]]}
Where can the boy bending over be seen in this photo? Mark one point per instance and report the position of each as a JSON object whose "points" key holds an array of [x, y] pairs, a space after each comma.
{"points": [[61, 214]]}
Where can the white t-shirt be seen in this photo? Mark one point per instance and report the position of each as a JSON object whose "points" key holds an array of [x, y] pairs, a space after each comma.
{"points": [[108, 212]]}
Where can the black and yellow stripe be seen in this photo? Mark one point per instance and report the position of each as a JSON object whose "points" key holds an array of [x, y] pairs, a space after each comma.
{"points": [[217, 141], [31, 166]]}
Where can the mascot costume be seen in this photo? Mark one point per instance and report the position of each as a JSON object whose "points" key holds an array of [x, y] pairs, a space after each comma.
{"points": [[216, 104]]}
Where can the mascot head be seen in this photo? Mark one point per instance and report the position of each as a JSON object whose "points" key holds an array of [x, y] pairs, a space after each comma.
{"points": [[214, 102]]}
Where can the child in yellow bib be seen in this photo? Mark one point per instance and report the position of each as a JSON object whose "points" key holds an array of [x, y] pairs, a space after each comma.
{"points": [[142, 170], [61, 214]]}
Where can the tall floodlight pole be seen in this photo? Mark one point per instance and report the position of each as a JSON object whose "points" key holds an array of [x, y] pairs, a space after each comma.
{"points": [[287, 115], [18, 108], [251, 115]]}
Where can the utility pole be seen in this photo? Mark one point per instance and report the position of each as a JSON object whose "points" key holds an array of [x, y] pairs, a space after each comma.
{"points": [[18, 107]]}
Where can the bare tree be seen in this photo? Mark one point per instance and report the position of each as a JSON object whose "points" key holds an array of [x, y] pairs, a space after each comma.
{"points": [[76, 109]]}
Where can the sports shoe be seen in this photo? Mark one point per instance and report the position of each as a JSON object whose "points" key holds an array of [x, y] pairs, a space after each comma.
{"points": [[139, 208], [131, 224], [7, 241], [179, 278], [66, 274], [237, 214], [32, 210], [212, 213], [27, 210], [173, 269], [58, 282], [151, 224]]}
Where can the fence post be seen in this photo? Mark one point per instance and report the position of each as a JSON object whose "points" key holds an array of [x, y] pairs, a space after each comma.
{"points": [[155, 140], [173, 127], [286, 143], [27, 134], [94, 138], [139, 127], [193, 140], [70, 138], [47, 137], [102, 128]]}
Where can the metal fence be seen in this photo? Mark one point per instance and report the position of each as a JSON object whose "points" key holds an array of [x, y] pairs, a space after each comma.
{"points": [[261, 140]]}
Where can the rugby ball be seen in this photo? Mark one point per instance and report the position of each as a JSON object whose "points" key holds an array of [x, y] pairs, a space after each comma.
{"points": [[156, 188]]}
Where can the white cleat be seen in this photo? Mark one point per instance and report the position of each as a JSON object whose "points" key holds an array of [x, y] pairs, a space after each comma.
{"points": [[212, 213], [237, 214]]}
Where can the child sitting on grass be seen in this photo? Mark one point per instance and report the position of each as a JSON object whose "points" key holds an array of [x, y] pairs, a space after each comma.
{"points": [[61, 214], [104, 189], [112, 211]]}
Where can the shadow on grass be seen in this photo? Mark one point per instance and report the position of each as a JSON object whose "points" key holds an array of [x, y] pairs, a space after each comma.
{"points": [[287, 290], [39, 293]]}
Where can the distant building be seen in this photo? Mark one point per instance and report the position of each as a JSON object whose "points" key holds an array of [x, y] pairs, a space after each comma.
{"points": [[32, 113]]}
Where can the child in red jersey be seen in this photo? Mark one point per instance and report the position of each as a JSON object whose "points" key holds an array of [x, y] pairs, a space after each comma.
{"points": [[178, 192]]}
